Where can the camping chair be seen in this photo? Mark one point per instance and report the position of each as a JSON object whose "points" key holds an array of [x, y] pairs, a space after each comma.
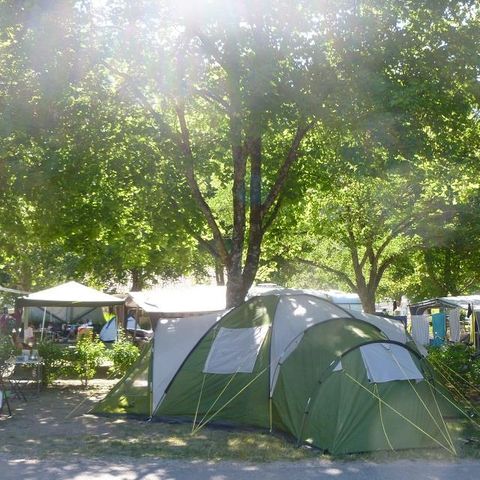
{"points": [[3, 392], [4, 399], [6, 380]]}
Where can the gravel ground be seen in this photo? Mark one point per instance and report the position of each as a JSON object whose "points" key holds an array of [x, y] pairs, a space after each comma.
{"points": [[57, 417], [88, 469]]}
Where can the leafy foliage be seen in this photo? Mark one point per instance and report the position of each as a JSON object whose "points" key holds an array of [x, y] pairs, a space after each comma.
{"points": [[123, 354], [459, 365], [54, 361], [7, 349], [83, 360]]}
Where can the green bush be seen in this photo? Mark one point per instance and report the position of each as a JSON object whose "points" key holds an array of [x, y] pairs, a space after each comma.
{"points": [[53, 356], [122, 354], [7, 348], [82, 360], [457, 364]]}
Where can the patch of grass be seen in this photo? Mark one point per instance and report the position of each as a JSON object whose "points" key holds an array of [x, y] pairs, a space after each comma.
{"points": [[177, 442], [134, 439], [166, 441]]}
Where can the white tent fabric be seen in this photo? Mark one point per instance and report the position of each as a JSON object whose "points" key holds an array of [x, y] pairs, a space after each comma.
{"points": [[109, 331], [12, 290], [307, 311], [463, 300], [69, 294], [420, 329], [235, 350], [393, 329], [348, 301], [386, 362], [338, 367], [180, 300], [174, 339], [454, 322]]}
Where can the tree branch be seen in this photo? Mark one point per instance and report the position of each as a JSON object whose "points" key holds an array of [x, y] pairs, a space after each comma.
{"points": [[387, 262], [206, 244], [209, 47], [399, 228], [267, 221], [213, 98], [194, 187], [353, 246], [145, 102], [282, 173], [339, 273]]}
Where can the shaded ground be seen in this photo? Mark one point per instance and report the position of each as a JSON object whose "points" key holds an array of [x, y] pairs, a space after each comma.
{"points": [[54, 430], [55, 424], [55, 417]]}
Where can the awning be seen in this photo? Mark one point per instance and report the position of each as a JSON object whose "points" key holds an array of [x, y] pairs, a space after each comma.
{"points": [[70, 294]]}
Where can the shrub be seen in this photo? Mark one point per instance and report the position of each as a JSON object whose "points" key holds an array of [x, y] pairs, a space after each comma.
{"points": [[53, 356], [457, 364], [82, 360], [7, 348], [123, 354]]}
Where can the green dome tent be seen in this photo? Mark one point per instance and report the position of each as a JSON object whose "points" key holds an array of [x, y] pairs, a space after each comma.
{"points": [[339, 380]]}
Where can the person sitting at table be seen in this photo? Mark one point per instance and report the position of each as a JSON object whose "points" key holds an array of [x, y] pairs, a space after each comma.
{"points": [[84, 329], [29, 336]]}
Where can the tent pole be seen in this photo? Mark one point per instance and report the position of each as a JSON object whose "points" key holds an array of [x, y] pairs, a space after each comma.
{"points": [[270, 414], [43, 323], [26, 315], [304, 418]]}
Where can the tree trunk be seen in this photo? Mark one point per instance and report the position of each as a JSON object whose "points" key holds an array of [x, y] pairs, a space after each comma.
{"points": [[367, 297], [25, 278], [236, 291], [219, 273], [138, 281]]}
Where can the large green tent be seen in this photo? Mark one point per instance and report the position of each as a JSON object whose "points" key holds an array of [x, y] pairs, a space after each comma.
{"points": [[340, 380]]}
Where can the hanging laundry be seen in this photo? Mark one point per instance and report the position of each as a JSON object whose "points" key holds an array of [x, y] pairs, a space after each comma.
{"points": [[420, 329], [454, 322], [439, 328]]}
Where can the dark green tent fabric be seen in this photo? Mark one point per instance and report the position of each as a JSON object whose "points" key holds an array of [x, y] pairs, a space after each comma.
{"points": [[309, 363], [319, 393], [349, 414], [238, 397]]}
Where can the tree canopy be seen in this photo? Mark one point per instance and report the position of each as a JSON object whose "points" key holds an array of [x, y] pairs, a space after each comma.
{"points": [[152, 138]]}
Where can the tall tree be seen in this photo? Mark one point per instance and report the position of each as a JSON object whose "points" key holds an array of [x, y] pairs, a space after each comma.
{"points": [[356, 232], [411, 76], [234, 88]]}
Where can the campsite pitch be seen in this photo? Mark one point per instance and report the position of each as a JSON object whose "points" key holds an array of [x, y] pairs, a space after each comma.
{"points": [[55, 426]]}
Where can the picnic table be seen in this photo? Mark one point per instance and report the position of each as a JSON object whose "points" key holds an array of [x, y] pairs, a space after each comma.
{"points": [[33, 365]]}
